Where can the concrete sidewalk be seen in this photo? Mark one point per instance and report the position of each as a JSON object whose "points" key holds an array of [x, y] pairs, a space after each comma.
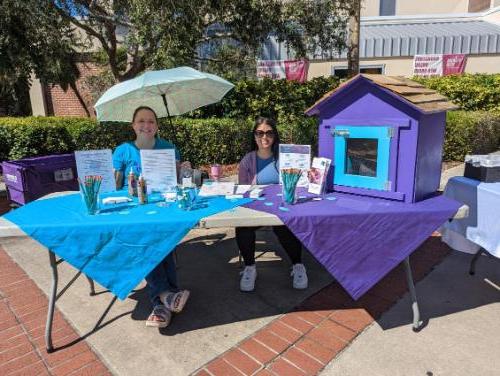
{"points": [[216, 318], [276, 330], [462, 336]]}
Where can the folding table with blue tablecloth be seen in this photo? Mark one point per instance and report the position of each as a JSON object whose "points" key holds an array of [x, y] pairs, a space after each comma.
{"points": [[357, 239], [117, 247]]}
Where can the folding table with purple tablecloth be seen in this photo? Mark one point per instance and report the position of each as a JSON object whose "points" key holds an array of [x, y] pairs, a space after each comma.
{"points": [[358, 239]]}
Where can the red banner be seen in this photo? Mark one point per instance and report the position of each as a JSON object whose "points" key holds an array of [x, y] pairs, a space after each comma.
{"points": [[454, 64], [296, 70], [292, 70]]}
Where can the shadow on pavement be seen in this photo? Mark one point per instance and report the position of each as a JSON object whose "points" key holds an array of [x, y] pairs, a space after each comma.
{"points": [[209, 267]]}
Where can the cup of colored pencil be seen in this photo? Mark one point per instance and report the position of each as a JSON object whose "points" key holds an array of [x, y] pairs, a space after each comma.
{"points": [[290, 177], [89, 189]]}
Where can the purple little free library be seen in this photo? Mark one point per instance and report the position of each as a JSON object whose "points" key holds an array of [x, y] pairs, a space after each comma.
{"points": [[384, 135]]}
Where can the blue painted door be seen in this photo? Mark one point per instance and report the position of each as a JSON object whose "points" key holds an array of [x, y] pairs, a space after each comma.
{"points": [[362, 156]]}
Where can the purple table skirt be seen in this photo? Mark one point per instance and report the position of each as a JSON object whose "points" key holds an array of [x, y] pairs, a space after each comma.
{"points": [[358, 239]]}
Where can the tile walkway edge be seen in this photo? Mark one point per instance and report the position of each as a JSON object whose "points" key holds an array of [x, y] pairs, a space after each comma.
{"points": [[304, 341], [23, 310]]}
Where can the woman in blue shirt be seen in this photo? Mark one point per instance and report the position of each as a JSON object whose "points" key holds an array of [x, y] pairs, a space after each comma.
{"points": [[260, 166], [165, 295]]}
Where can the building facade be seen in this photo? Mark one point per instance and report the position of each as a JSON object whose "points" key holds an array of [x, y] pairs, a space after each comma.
{"points": [[394, 31]]}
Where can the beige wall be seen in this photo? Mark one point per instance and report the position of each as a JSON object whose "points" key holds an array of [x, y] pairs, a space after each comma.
{"points": [[370, 8], [37, 98], [404, 66], [410, 7]]}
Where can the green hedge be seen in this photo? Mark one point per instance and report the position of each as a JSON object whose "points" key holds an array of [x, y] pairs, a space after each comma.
{"points": [[286, 100], [205, 141], [281, 99], [472, 92], [471, 132], [201, 141]]}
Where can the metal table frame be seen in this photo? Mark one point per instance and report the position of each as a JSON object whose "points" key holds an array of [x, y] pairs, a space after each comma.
{"points": [[238, 217]]}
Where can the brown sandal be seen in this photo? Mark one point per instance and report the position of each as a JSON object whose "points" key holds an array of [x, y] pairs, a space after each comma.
{"points": [[159, 318]]}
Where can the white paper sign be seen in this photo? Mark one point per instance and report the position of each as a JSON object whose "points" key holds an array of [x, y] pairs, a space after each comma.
{"points": [[216, 188], [159, 169], [96, 163], [317, 175], [296, 156]]}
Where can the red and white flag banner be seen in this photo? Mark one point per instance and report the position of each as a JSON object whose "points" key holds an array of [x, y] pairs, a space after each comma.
{"points": [[439, 64], [292, 70]]}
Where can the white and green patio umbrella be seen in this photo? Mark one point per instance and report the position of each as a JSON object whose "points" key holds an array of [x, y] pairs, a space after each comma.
{"points": [[168, 92]]}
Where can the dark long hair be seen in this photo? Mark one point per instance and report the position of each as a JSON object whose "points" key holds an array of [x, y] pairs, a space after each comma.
{"points": [[276, 143], [272, 123]]}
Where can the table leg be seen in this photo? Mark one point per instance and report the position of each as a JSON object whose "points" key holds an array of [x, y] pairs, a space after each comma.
{"points": [[92, 286], [414, 305], [472, 269], [52, 302]]}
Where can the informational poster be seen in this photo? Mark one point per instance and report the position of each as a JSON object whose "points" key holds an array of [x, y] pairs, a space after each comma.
{"points": [[96, 163], [159, 169], [292, 70], [439, 64], [296, 156]]}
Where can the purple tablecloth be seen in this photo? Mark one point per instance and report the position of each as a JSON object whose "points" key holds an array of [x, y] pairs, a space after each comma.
{"points": [[359, 239]]}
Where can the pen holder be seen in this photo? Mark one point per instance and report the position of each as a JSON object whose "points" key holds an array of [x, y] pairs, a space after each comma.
{"points": [[89, 189], [290, 177]]}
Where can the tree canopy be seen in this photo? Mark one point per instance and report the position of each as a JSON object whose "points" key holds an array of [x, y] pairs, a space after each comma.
{"points": [[160, 34], [34, 38]]}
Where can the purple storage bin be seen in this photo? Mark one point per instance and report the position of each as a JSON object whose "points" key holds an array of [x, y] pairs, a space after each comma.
{"points": [[31, 178]]}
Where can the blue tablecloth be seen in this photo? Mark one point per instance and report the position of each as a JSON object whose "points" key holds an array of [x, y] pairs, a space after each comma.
{"points": [[482, 227], [118, 247]]}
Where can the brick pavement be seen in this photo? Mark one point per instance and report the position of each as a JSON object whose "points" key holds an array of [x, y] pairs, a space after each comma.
{"points": [[23, 310], [304, 341]]}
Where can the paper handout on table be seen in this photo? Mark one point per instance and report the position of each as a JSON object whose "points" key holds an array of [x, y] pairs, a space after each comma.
{"points": [[317, 175], [96, 163], [296, 156], [242, 189], [216, 188], [159, 169], [115, 200]]}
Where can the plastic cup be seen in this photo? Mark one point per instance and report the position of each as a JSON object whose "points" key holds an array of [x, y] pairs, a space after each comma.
{"points": [[215, 172]]}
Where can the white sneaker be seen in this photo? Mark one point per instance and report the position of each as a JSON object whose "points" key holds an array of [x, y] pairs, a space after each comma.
{"points": [[299, 276], [248, 277]]}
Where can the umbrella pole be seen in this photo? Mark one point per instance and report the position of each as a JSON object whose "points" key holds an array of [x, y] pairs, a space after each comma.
{"points": [[174, 138]]}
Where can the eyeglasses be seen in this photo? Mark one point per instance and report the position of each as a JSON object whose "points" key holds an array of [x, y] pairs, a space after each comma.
{"points": [[260, 134]]}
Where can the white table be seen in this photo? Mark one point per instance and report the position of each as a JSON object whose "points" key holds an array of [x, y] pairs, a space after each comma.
{"points": [[480, 231]]}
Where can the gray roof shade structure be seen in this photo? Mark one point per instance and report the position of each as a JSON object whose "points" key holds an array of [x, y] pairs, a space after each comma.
{"points": [[409, 39]]}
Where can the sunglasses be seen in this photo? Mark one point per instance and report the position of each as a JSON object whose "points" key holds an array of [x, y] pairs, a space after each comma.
{"points": [[260, 134]]}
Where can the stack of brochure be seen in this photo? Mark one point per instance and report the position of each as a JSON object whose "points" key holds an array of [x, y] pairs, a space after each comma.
{"points": [[317, 175]]}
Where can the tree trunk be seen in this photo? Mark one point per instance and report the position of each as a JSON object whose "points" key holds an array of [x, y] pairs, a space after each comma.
{"points": [[353, 42]]}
